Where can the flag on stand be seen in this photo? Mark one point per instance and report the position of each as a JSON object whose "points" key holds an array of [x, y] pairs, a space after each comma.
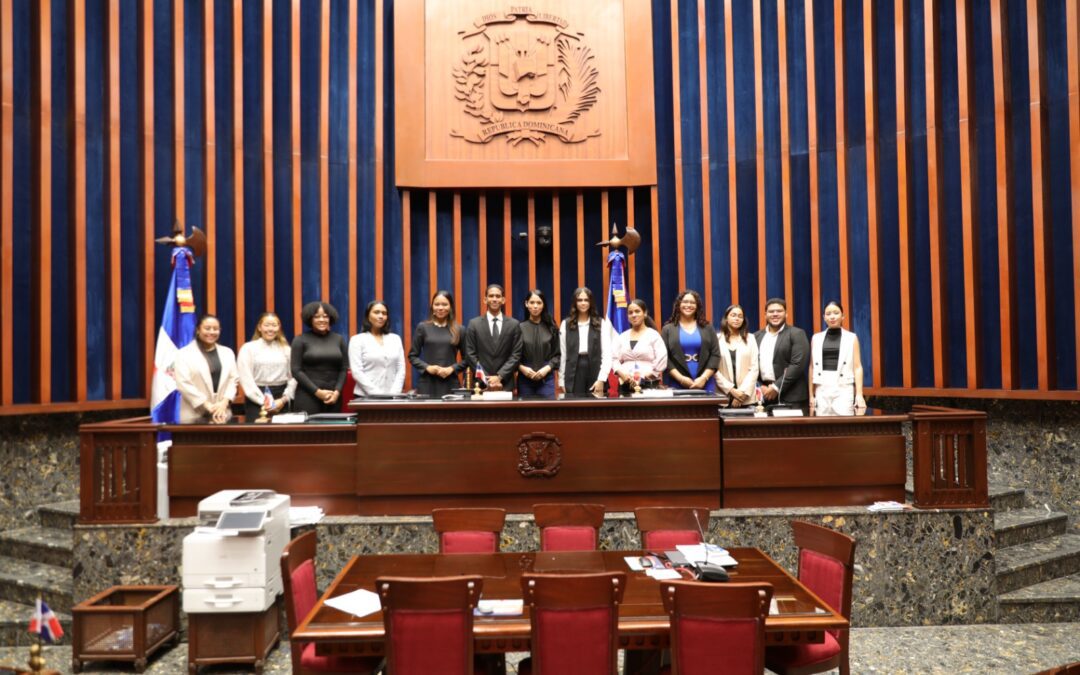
{"points": [[479, 376], [44, 623], [177, 329], [616, 306]]}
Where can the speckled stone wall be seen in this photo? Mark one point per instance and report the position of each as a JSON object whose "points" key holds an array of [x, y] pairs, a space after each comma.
{"points": [[912, 568]]}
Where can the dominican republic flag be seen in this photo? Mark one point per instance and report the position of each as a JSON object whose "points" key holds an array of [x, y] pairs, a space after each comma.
{"points": [[45, 624], [177, 329], [616, 305], [479, 376]]}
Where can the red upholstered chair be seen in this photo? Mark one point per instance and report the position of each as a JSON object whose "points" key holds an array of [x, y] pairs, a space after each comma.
{"points": [[826, 563], [716, 628], [664, 527], [569, 527], [575, 622], [468, 530], [298, 577], [429, 624], [347, 392]]}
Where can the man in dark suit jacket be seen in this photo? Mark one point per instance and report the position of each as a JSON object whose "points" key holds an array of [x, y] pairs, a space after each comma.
{"points": [[494, 341], [783, 353]]}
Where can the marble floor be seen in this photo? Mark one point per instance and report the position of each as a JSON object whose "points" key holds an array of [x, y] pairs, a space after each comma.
{"points": [[1026, 648]]}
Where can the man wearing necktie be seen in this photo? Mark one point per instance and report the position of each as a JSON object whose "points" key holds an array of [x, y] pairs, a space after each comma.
{"points": [[493, 341]]}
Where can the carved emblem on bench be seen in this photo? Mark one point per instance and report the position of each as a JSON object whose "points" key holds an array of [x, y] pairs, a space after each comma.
{"points": [[539, 455]]}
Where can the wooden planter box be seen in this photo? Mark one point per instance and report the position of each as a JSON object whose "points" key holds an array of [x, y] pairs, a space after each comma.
{"points": [[125, 623]]}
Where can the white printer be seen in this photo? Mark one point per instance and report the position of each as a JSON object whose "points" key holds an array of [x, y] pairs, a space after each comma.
{"points": [[232, 561]]}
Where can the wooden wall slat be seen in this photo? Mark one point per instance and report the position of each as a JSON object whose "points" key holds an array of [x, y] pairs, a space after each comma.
{"points": [[238, 165], [146, 186], [870, 101], [508, 256], [1040, 216], [785, 157], [680, 194], [433, 242], [7, 225], [605, 224], [378, 149], [733, 211], [969, 196], [116, 336], [902, 32], [759, 135], [457, 244], [406, 268], [79, 187], [812, 151], [482, 237], [178, 111], [581, 238], [1004, 162], [706, 197], [210, 161], [631, 222], [356, 303], [297, 245], [43, 297], [654, 208], [324, 151], [933, 180], [556, 257], [532, 247], [268, 151], [841, 155], [1072, 38]]}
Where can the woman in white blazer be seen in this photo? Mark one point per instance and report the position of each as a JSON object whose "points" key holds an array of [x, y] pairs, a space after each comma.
{"points": [[376, 356], [206, 376], [737, 372], [836, 382]]}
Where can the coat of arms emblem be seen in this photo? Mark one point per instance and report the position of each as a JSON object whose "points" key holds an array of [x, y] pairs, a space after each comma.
{"points": [[539, 455], [523, 75]]}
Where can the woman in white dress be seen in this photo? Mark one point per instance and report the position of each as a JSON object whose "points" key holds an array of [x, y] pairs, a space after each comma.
{"points": [[205, 374], [376, 356], [264, 364]]}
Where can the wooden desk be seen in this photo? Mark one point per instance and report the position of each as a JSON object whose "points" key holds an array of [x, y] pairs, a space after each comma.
{"points": [[802, 617]]}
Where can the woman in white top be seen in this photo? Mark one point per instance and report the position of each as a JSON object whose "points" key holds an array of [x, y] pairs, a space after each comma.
{"points": [[836, 382], [584, 347], [205, 374], [638, 354], [264, 366], [376, 356], [737, 372]]}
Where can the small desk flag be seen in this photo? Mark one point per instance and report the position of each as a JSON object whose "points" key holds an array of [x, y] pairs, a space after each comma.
{"points": [[44, 623]]}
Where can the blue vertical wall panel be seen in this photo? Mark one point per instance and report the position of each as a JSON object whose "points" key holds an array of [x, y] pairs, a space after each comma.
{"points": [[225, 240], [281, 100], [195, 143], [746, 186], [773, 187], [310, 85], [97, 171], [365, 156], [798, 186], [61, 325], [347, 300], [252, 160], [392, 205], [665, 233], [23, 167], [690, 130], [827, 195], [719, 198], [132, 260], [164, 169]]}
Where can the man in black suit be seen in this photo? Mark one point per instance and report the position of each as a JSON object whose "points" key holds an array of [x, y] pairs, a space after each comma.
{"points": [[494, 341], [783, 354]]}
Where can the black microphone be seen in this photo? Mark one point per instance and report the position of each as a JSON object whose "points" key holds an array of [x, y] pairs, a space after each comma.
{"points": [[779, 392], [706, 570]]}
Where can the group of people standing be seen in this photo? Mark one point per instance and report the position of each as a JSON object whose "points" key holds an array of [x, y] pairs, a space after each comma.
{"points": [[533, 355]]}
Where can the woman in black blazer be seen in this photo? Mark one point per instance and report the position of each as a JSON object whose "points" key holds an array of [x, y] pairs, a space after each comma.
{"points": [[693, 350]]}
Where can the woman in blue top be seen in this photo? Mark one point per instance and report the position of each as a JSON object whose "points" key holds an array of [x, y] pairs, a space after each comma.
{"points": [[693, 350]]}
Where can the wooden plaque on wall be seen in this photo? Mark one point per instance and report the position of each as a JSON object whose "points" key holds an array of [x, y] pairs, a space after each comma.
{"points": [[556, 93]]}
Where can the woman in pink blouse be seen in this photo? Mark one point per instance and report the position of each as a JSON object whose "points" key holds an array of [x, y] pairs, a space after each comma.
{"points": [[639, 354]]}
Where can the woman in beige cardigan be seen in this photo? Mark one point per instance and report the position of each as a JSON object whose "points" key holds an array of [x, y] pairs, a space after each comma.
{"points": [[206, 376], [736, 375]]}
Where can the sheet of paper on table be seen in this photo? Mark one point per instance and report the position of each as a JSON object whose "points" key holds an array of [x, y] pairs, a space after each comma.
{"points": [[507, 607], [663, 574], [358, 603], [716, 554]]}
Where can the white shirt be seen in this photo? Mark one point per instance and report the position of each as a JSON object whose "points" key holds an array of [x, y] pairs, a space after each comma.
{"points": [[765, 353], [264, 364], [377, 368], [606, 338], [492, 318]]}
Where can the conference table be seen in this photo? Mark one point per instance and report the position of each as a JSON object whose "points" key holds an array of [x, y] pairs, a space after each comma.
{"points": [[797, 615]]}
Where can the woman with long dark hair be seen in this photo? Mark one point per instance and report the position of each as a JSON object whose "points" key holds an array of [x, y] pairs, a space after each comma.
{"points": [[584, 347], [692, 347], [376, 355], [436, 347], [540, 354], [737, 369], [638, 355], [205, 374]]}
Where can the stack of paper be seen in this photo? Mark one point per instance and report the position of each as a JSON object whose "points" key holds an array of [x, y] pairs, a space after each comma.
{"points": [[716, 554], [305, 515], [887, 506]]}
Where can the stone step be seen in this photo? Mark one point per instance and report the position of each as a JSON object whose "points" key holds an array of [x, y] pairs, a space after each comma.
{"points": [[1020, 526], [22, 581], [59, 515], [1036, 562], [1003, 497], [15, 620], [39, 544], [1054, 601]]}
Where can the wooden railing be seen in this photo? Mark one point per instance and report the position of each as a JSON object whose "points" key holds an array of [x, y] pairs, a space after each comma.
{"points": [[118, 464], [949, 450]]}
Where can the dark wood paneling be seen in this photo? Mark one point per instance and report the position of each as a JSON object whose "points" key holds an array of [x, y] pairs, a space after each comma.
{"points": [[210, 164], [870, 61], [239, 246], [44, 220], [939, 306], [968, 194], [1072, 13], [902, 50]]}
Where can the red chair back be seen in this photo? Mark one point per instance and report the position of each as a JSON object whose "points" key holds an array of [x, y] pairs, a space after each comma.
{"points": [[468, 530], [716, 628], [664, 527], [569, 527], [348, 392], [575, 621], [429, 623]]}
